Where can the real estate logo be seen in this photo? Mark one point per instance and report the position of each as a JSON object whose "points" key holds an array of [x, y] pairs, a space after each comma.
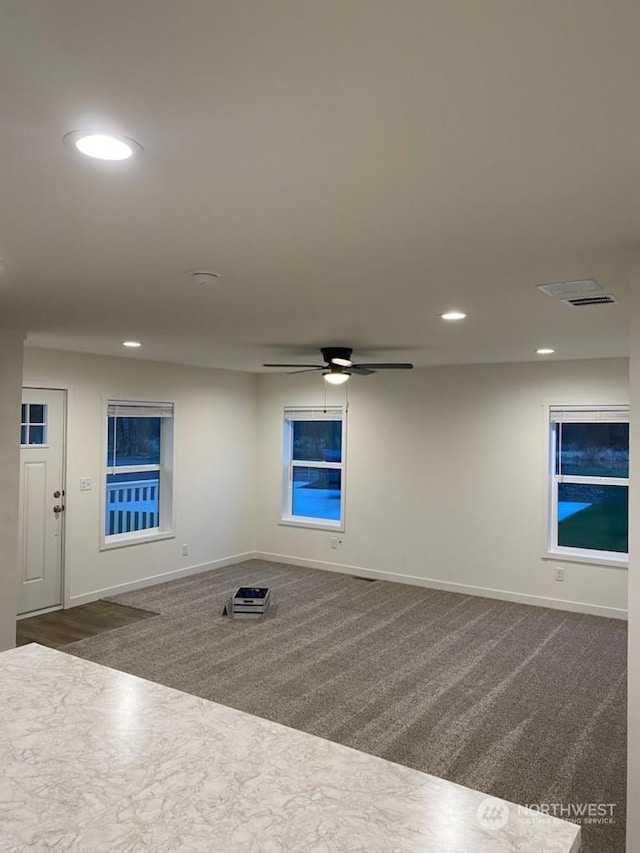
{"points": [[492, 814], [580, 813]]}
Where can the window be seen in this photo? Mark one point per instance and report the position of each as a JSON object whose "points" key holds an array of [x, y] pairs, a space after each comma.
{"points": [[589, 482], [313, 475], [138, 471], [33, 424]]}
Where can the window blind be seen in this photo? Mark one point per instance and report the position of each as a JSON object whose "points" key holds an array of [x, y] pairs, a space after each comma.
{"points": [[120, 409], [588, 414], [314, 413]]}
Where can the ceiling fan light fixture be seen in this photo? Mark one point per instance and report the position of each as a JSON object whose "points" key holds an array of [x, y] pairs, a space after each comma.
{"points": [[335, 377], [341, 362]]}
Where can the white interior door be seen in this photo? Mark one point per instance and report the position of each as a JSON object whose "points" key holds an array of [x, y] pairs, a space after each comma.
{"points": [[41, 499]]}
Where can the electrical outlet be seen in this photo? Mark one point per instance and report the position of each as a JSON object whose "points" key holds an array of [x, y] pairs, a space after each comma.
{"points": [[185, 550], [559, 574], [86, 484]]}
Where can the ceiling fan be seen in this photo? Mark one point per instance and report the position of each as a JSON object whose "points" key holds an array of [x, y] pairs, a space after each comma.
{"points": [[338, 366]]}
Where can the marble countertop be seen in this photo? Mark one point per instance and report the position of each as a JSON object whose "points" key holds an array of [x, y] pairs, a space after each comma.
{"points": [[98, 761]]}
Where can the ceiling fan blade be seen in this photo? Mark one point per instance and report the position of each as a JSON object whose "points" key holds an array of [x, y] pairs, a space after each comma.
{"points": [[338, 360], [359, 370], [391, 366]]}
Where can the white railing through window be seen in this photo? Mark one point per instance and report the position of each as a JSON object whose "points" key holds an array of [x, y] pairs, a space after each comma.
{"points": [[132, 505]]}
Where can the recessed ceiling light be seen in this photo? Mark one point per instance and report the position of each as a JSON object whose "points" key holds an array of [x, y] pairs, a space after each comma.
{"points": [[132, 344], [103, 146], [453, 315], [545, 351]]}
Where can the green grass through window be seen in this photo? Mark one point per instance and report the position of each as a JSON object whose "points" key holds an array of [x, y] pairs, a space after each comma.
{"points": [[600, 527]]}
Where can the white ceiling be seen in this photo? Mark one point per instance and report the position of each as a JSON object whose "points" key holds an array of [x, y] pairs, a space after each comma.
{"points": [[351, 168]]}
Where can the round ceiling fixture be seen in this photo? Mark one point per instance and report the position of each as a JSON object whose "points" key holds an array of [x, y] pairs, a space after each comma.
{"points": [[453, 315], [103, 146], [205, 276], [131, 344], [336, 375]]}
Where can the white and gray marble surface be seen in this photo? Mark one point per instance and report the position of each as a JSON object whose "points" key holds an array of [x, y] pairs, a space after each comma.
{"points": [[98, 761]]}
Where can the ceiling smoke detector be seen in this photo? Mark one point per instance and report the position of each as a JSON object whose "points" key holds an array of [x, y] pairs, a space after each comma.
{"points": [[204, 277], [564, 289]]}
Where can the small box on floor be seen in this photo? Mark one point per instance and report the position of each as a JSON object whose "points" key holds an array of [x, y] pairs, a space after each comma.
{"points": [[249, 602]]}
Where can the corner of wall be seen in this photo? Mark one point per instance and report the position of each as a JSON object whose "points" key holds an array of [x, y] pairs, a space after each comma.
{"points": [[633, 792], [11, 359]]}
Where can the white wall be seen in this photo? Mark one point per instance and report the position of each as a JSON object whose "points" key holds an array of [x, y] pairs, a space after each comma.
{"points": [[10, 380], [445, 478], [445, 474], [633, 794], [214, 460]]}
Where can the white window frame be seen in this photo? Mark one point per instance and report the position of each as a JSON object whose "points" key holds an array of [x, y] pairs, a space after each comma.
{"points": [[164, 529], [28, 423], [578, 414], [310, 413]]}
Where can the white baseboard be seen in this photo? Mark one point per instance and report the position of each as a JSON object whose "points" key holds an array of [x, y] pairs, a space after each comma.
{"points": [[375, 574], [107, 592], [447, 586]]}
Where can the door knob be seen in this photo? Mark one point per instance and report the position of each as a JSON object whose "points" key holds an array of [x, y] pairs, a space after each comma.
{"points": [[58, 509]]}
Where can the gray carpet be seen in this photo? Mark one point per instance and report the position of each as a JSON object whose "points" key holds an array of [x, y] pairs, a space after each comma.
{"points": [[522, 702]]}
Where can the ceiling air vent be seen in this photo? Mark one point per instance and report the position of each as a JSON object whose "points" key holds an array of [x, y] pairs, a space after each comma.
{"points": [[583, 301], [565, 289]]}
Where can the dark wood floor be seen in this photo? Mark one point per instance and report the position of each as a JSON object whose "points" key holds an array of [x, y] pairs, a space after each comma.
{"points": [[66, 626]]}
